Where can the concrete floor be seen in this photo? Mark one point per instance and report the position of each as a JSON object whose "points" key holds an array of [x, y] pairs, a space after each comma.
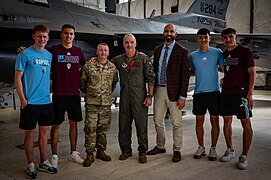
{"points": [[13, 161]]}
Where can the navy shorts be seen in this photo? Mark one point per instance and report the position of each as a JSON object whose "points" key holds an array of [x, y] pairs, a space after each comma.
{"points": [[204, 101], [232, 104], [31, 114], [69, 104]]}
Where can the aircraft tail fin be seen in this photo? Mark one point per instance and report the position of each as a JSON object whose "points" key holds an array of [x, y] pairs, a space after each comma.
{"points": [[208, 14], [212, 8]]}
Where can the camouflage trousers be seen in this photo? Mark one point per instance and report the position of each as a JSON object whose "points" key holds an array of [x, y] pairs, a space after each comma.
{"points": [[97, 123]]}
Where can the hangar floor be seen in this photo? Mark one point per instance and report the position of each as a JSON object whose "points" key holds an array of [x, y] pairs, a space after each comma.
{"points": [[13, 161]]}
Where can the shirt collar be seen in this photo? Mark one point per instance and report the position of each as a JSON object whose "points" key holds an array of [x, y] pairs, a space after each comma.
{"points": [[171, 45]]}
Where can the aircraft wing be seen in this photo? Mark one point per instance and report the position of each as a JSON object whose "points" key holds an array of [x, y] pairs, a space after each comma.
{"points": [[17, 18]]}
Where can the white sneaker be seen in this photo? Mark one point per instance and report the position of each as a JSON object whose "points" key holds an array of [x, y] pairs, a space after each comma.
{"points": [[242, 164], [229, 155], [212, 154], [54, 160], [75, 157], [200, 152]]}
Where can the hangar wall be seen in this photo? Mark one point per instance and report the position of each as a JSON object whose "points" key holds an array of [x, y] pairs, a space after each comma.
{"points": [[93, 4], [238, 14]]}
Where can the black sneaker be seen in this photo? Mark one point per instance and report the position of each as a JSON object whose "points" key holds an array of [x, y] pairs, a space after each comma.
{"points": [[31, 172], [47, 167]]}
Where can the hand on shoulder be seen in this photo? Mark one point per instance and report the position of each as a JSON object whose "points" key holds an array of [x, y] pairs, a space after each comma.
{"points": [[20, 49], [93, 59]]}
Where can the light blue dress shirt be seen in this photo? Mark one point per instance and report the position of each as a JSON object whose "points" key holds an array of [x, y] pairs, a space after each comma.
{"points": [[170, 47]]}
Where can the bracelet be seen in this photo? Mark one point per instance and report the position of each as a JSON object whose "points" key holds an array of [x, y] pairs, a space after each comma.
{"points": [[150, 95]]}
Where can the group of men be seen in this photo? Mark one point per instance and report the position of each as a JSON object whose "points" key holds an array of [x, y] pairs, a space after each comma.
{"points": [[167, 78]]}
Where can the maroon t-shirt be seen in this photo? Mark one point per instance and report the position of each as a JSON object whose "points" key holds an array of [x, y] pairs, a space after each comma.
{"points": [[66, 70], [236, 63]]}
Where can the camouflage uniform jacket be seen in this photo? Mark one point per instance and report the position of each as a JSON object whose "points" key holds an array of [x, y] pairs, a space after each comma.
{"points": [[98, 82]]}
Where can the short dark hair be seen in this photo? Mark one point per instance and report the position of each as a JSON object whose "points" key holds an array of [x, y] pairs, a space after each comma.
{"points": [[41, 28], [228, 31], [67, 26], [203, 31], [102, 43]]}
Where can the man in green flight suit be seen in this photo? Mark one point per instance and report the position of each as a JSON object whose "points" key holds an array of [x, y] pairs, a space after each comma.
{"points": [[135, 70]]}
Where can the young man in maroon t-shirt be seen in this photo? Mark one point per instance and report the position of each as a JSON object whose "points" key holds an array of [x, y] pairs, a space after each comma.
{"points": [[236, 97], [66, 64]]}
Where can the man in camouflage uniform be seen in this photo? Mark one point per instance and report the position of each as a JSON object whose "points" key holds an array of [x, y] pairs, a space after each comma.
{"points": [[98, 80], [135, 71]]}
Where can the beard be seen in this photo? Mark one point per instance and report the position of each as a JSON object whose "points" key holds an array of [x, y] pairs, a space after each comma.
{"points": [[169, 38]]}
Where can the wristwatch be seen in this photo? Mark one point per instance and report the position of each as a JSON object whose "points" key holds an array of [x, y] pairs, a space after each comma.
{"points": [[150, 95]]}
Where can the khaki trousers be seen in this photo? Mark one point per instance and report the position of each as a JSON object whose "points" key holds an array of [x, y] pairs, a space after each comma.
{"points": [[161, 103]]}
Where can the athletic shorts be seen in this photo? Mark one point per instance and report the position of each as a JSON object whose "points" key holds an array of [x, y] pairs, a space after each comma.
{"points": [[31, 114], [233, 104], [204, 101], [69, 104]]}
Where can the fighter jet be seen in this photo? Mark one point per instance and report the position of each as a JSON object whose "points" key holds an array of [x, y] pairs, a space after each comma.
{"points": [[18, 17]]}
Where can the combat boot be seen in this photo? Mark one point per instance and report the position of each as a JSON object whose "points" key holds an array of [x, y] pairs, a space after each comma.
{"points": [[101, 155], [89, 159]]}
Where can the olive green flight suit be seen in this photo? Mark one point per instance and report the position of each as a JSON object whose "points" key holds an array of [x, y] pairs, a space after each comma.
{"points": [[134, 74]]}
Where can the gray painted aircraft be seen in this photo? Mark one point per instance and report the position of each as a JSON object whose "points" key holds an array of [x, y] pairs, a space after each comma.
{"points": [[18, 17]]}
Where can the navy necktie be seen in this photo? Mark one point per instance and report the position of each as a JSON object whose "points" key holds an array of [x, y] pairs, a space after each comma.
{"points": [[163, 80]]}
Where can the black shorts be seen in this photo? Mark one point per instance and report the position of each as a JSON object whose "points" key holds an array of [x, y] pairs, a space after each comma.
{"points": [[69, 104], [31, 114], [204, 101], [231, 104]]}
